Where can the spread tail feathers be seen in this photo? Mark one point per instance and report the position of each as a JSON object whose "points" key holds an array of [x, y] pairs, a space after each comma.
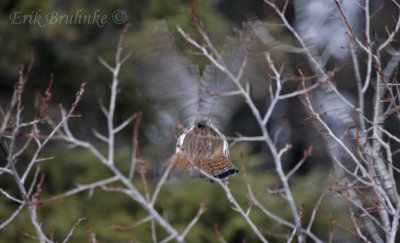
{"points": [[219, 167]]}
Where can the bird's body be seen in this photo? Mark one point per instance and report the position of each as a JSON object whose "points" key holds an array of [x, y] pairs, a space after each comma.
{"points": [[202, 147]]}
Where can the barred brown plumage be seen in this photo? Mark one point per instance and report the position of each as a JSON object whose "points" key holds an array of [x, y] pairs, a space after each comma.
{"points": [[205, 148]]}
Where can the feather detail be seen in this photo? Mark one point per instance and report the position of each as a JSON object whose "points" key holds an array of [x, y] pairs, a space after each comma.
{"points": [[180, 164], [219, 167], [202, 147]]}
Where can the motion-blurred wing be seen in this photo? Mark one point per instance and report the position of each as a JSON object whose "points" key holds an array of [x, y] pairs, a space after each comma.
{"points": [[237, 56], [172, 78]]}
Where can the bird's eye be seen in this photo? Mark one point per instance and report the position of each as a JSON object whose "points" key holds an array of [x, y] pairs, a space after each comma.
{"points": [[200, 125]]}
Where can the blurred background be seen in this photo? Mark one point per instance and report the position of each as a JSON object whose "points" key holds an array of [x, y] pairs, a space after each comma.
{"points": [[69, 51]]}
